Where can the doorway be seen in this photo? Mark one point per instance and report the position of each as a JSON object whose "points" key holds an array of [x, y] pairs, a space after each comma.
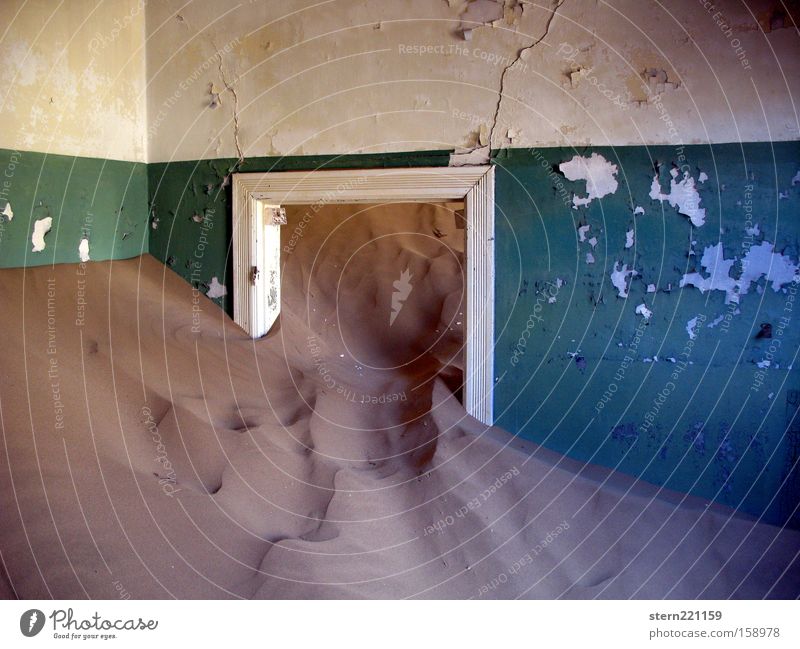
{"points": [[259, 201]]}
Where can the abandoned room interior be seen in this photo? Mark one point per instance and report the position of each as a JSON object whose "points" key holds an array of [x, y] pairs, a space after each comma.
{"points": [[427, 299]]}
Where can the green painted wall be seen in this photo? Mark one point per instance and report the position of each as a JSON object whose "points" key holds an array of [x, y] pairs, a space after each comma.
{"points": [[104, 200], [722, 429]]}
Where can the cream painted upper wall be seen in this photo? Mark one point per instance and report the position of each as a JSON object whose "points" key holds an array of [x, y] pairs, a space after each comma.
{"points": [[333, 76], [73, 77]]}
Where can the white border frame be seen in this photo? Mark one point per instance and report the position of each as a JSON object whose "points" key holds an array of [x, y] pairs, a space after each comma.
{"points": [[474, 185]]}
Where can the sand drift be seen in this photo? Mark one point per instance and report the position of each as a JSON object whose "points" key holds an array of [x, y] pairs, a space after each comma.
{"points": [[152, 450]]}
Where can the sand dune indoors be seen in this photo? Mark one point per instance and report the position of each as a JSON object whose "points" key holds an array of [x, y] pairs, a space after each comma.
{"points": [[148, 455]]}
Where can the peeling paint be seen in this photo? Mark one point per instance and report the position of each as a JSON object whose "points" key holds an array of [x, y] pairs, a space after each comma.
{"points": [[619, 278], [598, 173], [682, 195], [629, 239], [582, 230], [41, 228], [691, 327], [714, 261], [480, 12], [643, 311], [589, 258], [638, 210], [7, 211], [83, 250], [760, 261], [467, 157], [216, 290]]}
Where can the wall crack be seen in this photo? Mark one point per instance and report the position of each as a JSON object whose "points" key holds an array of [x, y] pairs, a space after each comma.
{"points": [[482, 154], [229, 87]]}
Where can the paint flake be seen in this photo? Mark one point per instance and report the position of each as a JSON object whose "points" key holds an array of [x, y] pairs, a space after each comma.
{"points": [[629, 239], [589, 258], [638, 210], [691, 328], [619, 278], [468, 157], [83, 250], [41, 228], [8, 212], [763, 261], [582, 230], [596, 171], [682, 195], [713, 260], [643, 311], [216, 290]]}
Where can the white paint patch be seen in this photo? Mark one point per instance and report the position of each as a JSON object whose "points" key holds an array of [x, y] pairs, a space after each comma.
{"points": [[589, 258], [215, 289], [638, 210], [715, 321], [643, 311], [682, 195], [8, 212], [691, 328], [754, 231], [582, 230], [784, 196], [763, 261], [796, 179], [629, 239], [83, 250], [714, 261], [596, 171], [764, 364], [619, 278], [651, 288], [559, 284], [593, 242], [702, 177], [41, 228]]}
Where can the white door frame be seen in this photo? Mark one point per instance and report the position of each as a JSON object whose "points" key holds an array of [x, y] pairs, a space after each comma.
{"points": [[256, 246]]}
